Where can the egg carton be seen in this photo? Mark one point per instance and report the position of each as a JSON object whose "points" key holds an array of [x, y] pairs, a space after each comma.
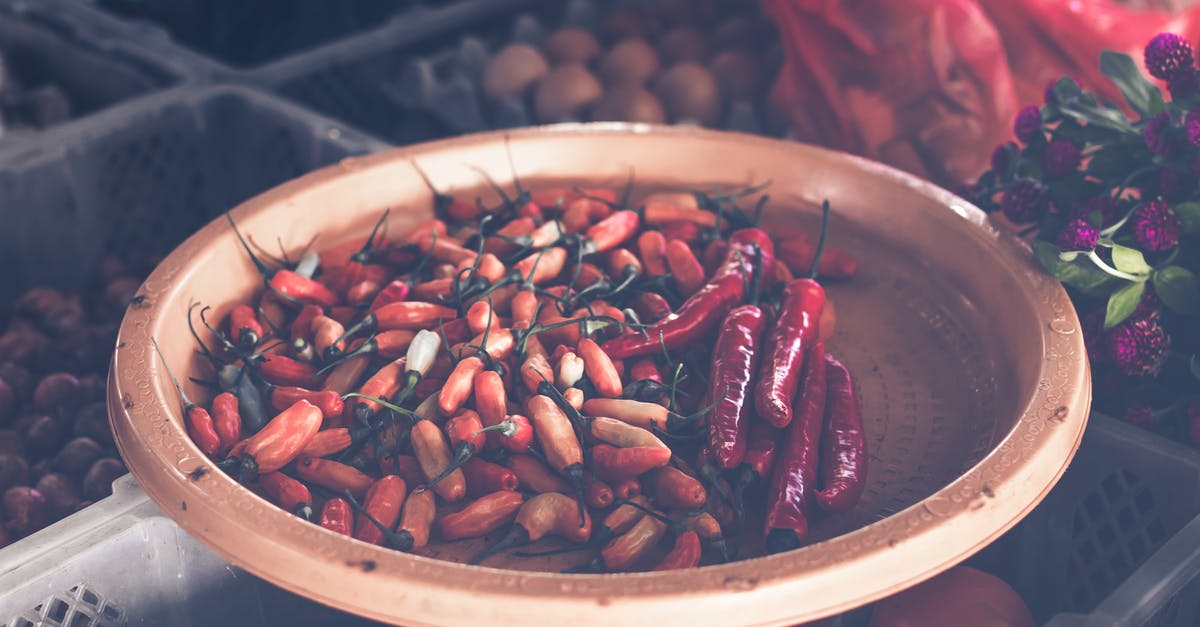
{"points": [[140, 177], [414, 81], [72, 62]]}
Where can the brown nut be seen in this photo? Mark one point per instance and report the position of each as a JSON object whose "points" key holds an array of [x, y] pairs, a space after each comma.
{"points": [[511, 71], [97, 484], [14, 471], [91, 421], [629, 103], [682, 44], [11, 442], [42, 468], [37, 302], [60, 391], [738, 73], [631, 61], [565, 93], [8, 403], [18, 378], [77, 456], [26, 511], [61, 492], [690, 94], [571, 45], [19, 345], [43, 435], [119, 292]]}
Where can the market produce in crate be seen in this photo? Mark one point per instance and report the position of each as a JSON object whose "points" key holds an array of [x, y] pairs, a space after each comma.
{"points": [[56, 450], [490, 372], [1114, 204]]}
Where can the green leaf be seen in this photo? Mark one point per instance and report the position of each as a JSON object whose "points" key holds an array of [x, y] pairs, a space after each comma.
{"points": [[1122, 303], [1079, 274], [1123, 71], [1100, 116], [1113, 161], [1066, 90], [1189, 215], [1129, 260], [1178, 288]]}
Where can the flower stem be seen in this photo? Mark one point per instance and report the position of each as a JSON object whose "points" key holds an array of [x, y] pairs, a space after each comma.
{"points": [[1137, 278]]}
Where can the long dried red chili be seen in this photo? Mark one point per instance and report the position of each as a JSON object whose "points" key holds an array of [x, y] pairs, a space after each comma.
{"points": [[734, 362], [843, 445]]}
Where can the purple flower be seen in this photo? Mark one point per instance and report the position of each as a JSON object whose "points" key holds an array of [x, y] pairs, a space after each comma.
{"points": [[1183, 85], [1173, 185], [1024, 201], [1109, 209], [1156, 226], [1155, 134], [1139, 416], [1191, 124], [1167, 55], [1078, 235], [1138, 347], [1060, 158], [1028, 124], [1002, 157]]}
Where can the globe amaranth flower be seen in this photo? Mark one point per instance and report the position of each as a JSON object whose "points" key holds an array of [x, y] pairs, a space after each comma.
{"points": [[1002, 157], [1024, 201], [1028, 124], [1139, 416], [1174, 185], [1191, 125], [1138, 347], [1183, 84], [1155, 226], [1078, 235], [1109, 209], [1167, 55], [1156, 134], [1060, 158]]}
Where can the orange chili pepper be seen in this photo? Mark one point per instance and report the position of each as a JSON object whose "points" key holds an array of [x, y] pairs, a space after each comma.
{"points": [[685, 553], [417, 519], [619, 464], [333, 475], [383, 501], [227, 421], [433, 453], [652, 248], [545, 514], [288, 494], [280, 441], [629, 548], [337, 516], [671, 487], [534, 475], [393, 292], [280, 370], [600, 369], [328, 442], [611, 231], [482, 516], [543, 265], [484, 477], [328, 401], [622, 262], [657, 212]]}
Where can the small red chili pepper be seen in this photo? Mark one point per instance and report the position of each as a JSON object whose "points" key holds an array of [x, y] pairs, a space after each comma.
{"points": [[636, 413], [280, 370], [444, 249], [536, 367], [382, 502], [457, 388], [644, 369], [620, 464], [302, 325], [652, 248], [327, 336], [683, 231], [626, 550], [484, 477], [333, 475], [524, 308], [417, 519], [545, 514], [244, 327], [685, 553], [226, 420], [760, 450], [557, 435], [623, 263], [651, 307], [491, 401], [611, 231], [600, 369], [406, 466], [798, 254], [434, 290], [328, 401], [665, 213], [482, 516], [286, 282], [197, 419], [543, 265], [714, 253], [684, 267], [734, 362], [534, 475], [433, 453], [509, 238], [703, 310], [843, 456], [280, 441], [346, 376], [497, 343], [394, 292], [288, 494], [794, 479], [328, 442], [597, 494], [624, 435], [337, 516], [574, 397], [480, 317], [582, 212], [671, 487]]}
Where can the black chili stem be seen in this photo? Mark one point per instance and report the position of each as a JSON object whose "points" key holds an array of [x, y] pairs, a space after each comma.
{"points": [[812, 272]]}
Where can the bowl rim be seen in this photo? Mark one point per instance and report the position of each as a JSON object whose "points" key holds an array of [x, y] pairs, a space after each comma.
{"points": [[972, 509]]}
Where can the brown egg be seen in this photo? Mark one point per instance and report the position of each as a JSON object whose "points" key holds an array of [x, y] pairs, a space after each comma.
{"points": [[629, 103], [738, 73], [512, 70], [683, 43], [565, 93], [571, 45], [690, 94], [632, 61]]}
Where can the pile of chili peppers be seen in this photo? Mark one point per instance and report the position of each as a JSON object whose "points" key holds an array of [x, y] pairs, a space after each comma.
{"points": [[546, 368]]}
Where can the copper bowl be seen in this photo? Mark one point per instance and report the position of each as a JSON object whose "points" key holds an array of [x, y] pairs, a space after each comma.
{"points": [[970, 365]]}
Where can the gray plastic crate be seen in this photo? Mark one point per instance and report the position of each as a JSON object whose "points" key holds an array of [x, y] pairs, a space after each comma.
{"points": [[145, 175], [88, 55]]}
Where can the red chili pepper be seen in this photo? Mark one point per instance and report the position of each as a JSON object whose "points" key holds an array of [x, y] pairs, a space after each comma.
{"points": [[786, 346], [405, 466], [302, 325], [623, 263], [302, 288], [843, 445], [627, 489], [482, 516], [288, 494], [491, 401], [619, 464], [383, 501], [484, 477], [597, 494], [534, 475], [611, 231], [702, 311], [671, 487], [524, 307], [394, 292], [760, 450], [280, 441], [501, 242], [685, 268], [328, 401], [600, 369], [337, 516], [626, 550], [644, 369], [383, 384], [444, 249], [333, 475], [244, 327], [433, 452], [557, 435], [458, 386], [543, 265], [197, 419], [794, 479], [361, 292], [623, 435], [714, 253], [735, 360], [652, 249], [417, 519], [280, 370], [651, 307], [226, 420], [666, 213], [517, 437], [685, 553], [327, 336], [328, 442], [542, 515]]}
